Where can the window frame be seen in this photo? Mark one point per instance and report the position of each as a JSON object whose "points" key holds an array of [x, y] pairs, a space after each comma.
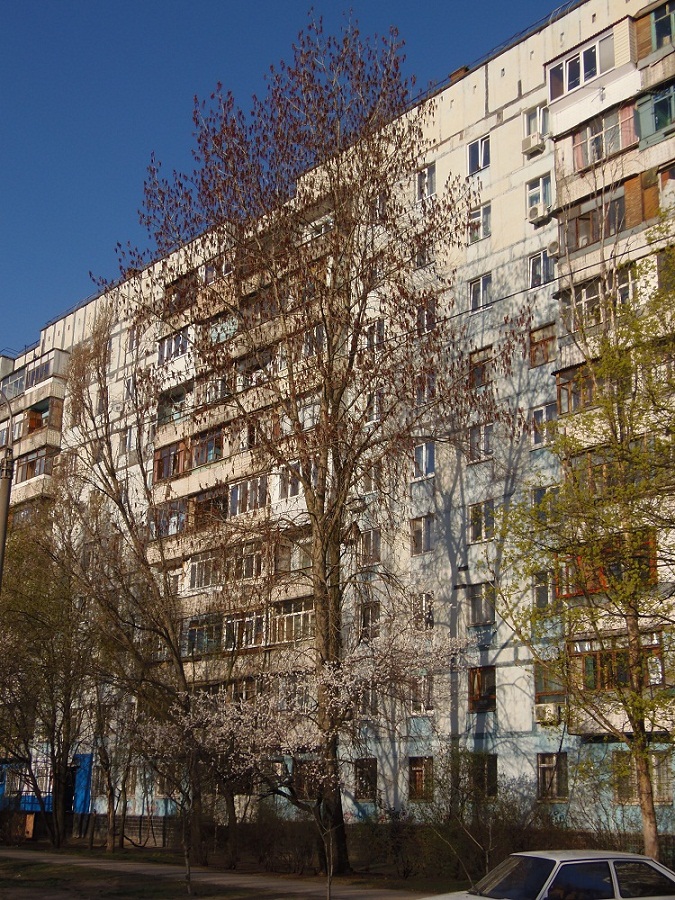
{"points": [[424, 460], [480, 292], [365, 779], [552, 777], [581, 67], [420, 779], [480, 442], [480, 223], [480, 521], [482, 689], [478, 155], [422, 535], [482, 603], [540, 269], [480, 367], [538, 192]]}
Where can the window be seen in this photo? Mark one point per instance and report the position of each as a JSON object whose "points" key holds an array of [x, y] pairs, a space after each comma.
{"points": [[541, 269], [480, 364], [539, 192], [482, 603], [214, 269], [365, 779], [604, 666], [424, 256], [314, 341], [594, 220], [210, 507], [544, 590], [479, 154], [425, 459], [481, 521], [422, 535], [426, 182], [207, 448], [246, 561], [171, 406], [181, 292], [421, 694], [480, 442], [370, 546], [548, 687], [248, 495], [171, 461], [638, 878], [480, 292], [426, 316], [663, 25], [293, 620], [129, 440], [132, 338], [543, 345], [172, 346], [169, 518], [371, 483], [656, 113], [543, 500], [576, 390], [204, 634], [582, 67], [33, 464], [369, 618], [375, 336], [480, 223], [421, 778], [425, 388], [205, 569], [604, 136], [482, 689], [244, 630], [483, 773], [289, 481], [625, 776], [374, 406], [536, 120], [552, 776], [423, 611]]}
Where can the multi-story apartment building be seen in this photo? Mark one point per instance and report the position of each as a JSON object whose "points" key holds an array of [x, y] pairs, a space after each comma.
{"points": [[566, 134]]}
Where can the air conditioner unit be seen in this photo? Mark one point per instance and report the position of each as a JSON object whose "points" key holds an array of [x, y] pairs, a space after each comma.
{"points": [[547, 713], [554, 250], [533, 143], [537, 213]]}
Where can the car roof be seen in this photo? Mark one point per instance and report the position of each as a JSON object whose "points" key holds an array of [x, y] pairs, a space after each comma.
{"points": [[565, 855]]}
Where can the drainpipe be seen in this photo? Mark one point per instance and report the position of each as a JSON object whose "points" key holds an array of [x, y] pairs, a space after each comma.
{"points": [[6, 473]]}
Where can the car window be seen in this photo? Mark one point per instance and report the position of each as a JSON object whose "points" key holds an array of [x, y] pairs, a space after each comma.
{"points": [[641, 879], [516, 878], [582, 881]]}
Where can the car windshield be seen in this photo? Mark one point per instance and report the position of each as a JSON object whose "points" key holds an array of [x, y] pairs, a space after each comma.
{"points": [[517, 878]]}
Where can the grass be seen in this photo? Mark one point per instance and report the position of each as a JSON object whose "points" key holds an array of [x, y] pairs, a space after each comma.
{"points": [[25, 879]]}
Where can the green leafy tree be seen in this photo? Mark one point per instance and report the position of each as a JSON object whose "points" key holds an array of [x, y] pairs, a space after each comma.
{"points": [[586, 574]]}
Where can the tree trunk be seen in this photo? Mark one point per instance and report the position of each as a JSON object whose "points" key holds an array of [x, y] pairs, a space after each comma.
{"points": [[232, 847], [110, 834], [650, 834]]}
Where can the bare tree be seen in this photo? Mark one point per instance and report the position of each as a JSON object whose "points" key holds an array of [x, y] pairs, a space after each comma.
{"points": [[306, 332]]}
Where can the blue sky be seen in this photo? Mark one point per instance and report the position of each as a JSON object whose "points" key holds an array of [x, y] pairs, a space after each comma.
{"points": [[90, 88]]}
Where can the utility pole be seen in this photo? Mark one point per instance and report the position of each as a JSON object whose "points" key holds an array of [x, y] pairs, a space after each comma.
{"points": [[6, 474]]}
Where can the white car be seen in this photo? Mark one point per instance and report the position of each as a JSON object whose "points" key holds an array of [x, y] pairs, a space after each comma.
{"points": [[572, 875]]}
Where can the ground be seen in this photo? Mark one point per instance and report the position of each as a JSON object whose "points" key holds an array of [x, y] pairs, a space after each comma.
{"points": [[29, 872]]}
